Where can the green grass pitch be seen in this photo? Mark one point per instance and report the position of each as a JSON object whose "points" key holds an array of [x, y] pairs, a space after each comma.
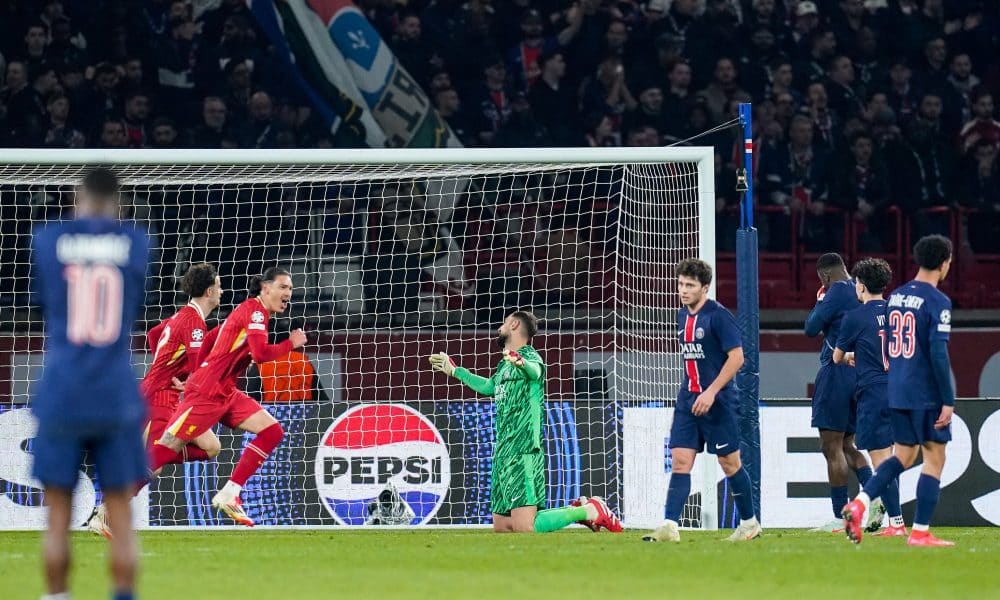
{"points": [[477, 564]]}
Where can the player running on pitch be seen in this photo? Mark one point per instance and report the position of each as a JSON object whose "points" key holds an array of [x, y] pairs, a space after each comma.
{"points": [[861, 344], [176, 346], [517, 494], [211, 395], [833, 401], [921, 396], [707, 405], [90, 280]]}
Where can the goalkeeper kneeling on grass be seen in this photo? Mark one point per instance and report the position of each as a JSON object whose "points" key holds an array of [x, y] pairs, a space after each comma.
{"points": [[517, 495]]}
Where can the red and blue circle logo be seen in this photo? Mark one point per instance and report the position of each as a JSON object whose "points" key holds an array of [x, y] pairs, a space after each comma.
{"points": [[375, 447]]}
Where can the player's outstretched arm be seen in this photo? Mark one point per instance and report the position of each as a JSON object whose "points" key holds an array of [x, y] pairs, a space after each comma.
{"points": [[263, 352], [443, 363], [531, 367]]}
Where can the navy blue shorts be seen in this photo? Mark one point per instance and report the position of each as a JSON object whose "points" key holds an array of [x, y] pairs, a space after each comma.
{"points": [[718, 429], [833, 401], [873, 429], [916, 427], [116, 451]]}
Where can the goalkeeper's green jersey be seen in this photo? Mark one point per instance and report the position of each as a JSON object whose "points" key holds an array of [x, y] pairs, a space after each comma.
{"points": [[519, 393]]}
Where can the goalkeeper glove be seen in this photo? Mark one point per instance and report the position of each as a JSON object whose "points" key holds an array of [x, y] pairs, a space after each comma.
{"points": [[514, 358], [443, 363]]}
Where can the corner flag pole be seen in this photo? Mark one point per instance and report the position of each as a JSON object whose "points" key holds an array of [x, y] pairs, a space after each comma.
{"points": [[748, 379]]}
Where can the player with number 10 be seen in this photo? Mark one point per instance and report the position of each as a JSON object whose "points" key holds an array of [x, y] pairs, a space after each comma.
{"points": [[90, 276]]}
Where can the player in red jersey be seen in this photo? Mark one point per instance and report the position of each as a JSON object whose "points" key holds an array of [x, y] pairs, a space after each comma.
{"points": [[211, 395], [176, 346]]}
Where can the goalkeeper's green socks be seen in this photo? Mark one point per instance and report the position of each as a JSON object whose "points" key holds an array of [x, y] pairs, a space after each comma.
{"points": [[556, 518]]}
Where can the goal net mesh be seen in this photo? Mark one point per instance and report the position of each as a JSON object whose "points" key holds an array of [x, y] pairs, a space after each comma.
{"points": [[390, 264]]}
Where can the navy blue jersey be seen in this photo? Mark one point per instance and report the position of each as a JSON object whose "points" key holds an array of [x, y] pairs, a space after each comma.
{"points": [[862, 332], [917, 314], [826, 316], [706, 338], [89, 277]]}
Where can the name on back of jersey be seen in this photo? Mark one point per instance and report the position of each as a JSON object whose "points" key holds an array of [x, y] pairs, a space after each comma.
{"points": [[905, 301], [105, 248], [692, 351]]}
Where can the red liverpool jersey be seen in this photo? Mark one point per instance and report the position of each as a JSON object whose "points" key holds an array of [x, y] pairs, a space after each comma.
{"points": [[231, 347], [176, 345]]}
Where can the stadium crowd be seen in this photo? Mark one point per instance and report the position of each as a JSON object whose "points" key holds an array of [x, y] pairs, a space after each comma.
{"points": [[860, 105]]}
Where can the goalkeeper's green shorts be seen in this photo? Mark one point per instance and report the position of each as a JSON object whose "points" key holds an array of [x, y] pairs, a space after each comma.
{"points": [[518, 480]]}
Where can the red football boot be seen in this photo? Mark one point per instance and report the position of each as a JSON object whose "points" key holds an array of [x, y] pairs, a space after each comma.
{"points": [[586, 523], [605, 518], [854, 520], [891, 531], [924, 538]]}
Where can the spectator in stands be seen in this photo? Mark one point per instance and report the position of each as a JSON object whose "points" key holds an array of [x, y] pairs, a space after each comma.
{"points": [[172, 58], [805, 23], [812, 68], [60, 134], [599, 131], [64, 47], [648, 111], [164, 133], [522, 129], [554, 102], [523, 58], [137, 109], [449, 108], [847, 22], [100, 98], [825, 123], [15, 80], [491, 100], [616, 38], [981, 182], [903, 96], [780, 80], [931, 112], [239, 88], [869, 63], [677, 97], [723, 89], [28, 118], [212, 130], [412, 51], [859, 185], [113, 134], [261, 131], [133, 75], [35, 41], [963, 82], [934, 72], [843, 100], [934, 172], [983, 126], [644, 135], [794, 176], [608, 93]]}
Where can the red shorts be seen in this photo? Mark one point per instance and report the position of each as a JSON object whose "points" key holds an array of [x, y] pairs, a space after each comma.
{"points": [[199, 413], [160, 407]]}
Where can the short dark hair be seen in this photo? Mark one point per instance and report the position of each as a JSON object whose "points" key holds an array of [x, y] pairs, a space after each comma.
{"points": [[695, 268], [101, 184], [931, 251], [874, 273], [267, 277], [528, 320], [830, 260], [198, 279]]}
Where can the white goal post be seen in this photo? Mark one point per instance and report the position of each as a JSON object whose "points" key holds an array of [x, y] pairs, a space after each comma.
{"points": [[396, 254]]}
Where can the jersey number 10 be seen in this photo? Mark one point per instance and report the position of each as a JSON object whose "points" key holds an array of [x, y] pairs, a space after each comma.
{"points": [[95, 304]]}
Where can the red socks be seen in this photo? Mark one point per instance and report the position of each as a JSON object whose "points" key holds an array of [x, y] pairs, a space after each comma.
{"points": [[161, 455], [256, 453]]}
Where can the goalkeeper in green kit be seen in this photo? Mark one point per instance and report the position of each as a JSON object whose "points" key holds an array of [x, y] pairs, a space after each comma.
{"points": [[517, 495]]}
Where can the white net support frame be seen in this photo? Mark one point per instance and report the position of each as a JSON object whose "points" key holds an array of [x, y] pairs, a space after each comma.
{"points": [[396, 254]]}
